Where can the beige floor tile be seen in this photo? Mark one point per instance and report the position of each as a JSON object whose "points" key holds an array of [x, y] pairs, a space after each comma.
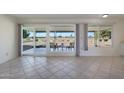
{"points": [[63, 68]]}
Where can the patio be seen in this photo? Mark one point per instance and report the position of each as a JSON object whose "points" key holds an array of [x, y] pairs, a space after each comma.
{"points": [[44, 51]]}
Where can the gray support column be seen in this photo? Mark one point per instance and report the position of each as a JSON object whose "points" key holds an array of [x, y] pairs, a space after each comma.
{"points": [[81, 38], [19, 40]]}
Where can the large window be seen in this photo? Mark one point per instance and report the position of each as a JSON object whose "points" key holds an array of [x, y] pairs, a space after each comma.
{"points": [[99, 36]]}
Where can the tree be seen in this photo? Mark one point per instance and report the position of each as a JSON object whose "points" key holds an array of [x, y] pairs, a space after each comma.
{"points": [[25, 33], [105, 34]]}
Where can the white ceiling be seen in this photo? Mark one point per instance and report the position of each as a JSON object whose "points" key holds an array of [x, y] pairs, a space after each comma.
{"points": [[49, 16], [66, 18]]}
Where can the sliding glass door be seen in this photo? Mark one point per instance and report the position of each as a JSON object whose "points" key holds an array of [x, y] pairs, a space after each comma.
{"points": [[53, 38]]}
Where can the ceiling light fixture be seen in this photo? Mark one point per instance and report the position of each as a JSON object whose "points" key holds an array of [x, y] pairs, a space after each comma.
{"points": [[105, 16]]}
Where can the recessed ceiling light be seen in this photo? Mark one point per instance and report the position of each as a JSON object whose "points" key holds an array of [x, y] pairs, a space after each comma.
{"points": [[105, 16]]}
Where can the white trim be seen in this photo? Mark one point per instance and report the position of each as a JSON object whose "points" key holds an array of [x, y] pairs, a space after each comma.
{"points": [[21, 40]]}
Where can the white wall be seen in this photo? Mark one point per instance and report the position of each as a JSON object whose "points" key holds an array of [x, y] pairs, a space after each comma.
{"points": [[8, 39]]}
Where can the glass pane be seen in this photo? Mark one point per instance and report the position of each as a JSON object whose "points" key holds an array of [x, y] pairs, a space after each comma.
{"points": [[105, 36], [62, 39], [40, 42], [93, 36], [91, 39], [40, 37], [27, 40]]}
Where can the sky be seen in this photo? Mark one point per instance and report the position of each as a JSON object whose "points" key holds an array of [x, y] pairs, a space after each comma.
{"points": [[90, 34]]}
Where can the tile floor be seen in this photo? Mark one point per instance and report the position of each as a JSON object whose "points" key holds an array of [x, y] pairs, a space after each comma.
{"points": [[28, 67]]}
